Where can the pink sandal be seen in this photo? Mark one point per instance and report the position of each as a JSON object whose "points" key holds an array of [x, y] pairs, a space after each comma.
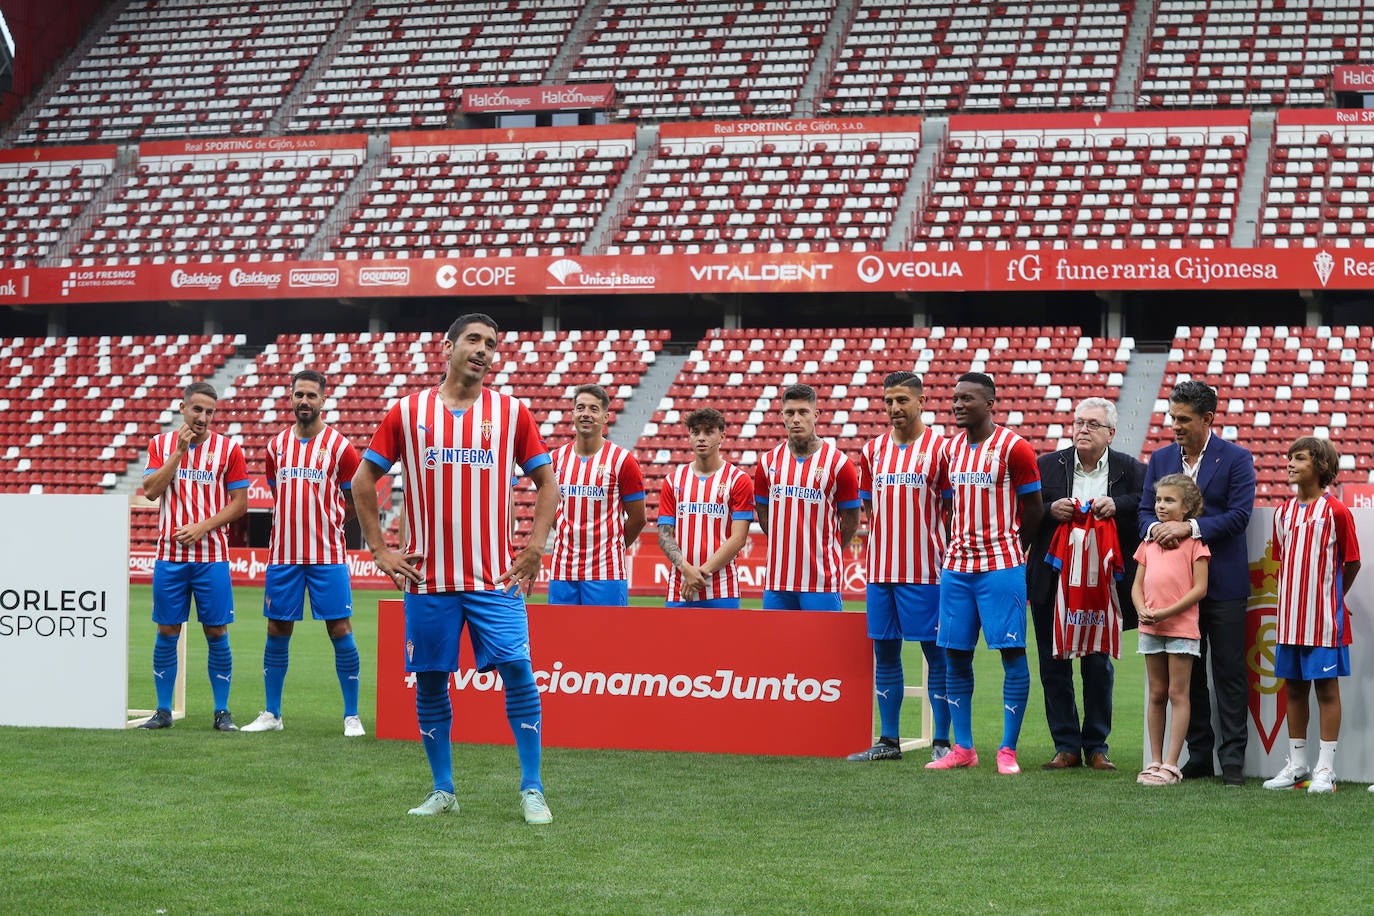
{"points": [[1150, 772], [1166, 775]]}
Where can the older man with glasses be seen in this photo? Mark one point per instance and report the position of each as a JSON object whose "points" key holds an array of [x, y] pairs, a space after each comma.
{"points": [[1090, 478]]}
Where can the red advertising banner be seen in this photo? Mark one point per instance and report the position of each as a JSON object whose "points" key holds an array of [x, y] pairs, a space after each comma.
{"points": [[1217, 119], [1325, 117], [1358, 495], [734, 682], [571, 97], [1352, 78], [843, 271], [59, 153], [526, 135], [248, 145], [789, 127]]}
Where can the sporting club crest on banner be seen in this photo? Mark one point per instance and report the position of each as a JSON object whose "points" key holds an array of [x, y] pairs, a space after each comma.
{"points": [[1265, 692]]}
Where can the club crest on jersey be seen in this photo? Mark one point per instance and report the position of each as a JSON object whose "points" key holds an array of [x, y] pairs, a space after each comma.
{"points": [[410, 651], [486, 430]]}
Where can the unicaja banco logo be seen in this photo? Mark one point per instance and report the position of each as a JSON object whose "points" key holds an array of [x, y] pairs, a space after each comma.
{"points": [[564, 269]]}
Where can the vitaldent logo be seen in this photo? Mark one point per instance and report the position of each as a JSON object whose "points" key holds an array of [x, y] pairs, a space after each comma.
{"points": [[763, 273], [307, 277], [182, 279], [872, 268], [384, 276]]}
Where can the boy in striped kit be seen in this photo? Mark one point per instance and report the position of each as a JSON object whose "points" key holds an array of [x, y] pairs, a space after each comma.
{"points": [[202, 482], [310, 469], [1319, 556], [903, 482], [458, 444], [996, 506], [600, 509], [704, 511], [807, 495]]}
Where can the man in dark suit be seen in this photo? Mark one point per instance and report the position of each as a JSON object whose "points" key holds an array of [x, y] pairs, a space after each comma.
{"points": [[1226, 475], [1112, 480]]}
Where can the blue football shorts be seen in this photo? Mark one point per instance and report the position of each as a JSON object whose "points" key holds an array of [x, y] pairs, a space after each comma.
{"points": [[175, 583], [994, 601], [601, 592], [1311, 663], [286, 584], [774, 600], [902, 610], [496, 622]]}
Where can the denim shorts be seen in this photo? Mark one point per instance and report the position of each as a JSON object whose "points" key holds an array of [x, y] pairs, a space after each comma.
{"points": [[1174, 645]]}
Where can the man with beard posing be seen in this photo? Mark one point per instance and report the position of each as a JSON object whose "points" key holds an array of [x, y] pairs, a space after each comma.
{"points": [[310, 468]]}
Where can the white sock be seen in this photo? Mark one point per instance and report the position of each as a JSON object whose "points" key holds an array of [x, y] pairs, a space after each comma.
{"points": [[1297, 752], [1326, 756]]}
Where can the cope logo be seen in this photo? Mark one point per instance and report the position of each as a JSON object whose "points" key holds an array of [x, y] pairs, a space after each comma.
{"points": [[483, 277]]}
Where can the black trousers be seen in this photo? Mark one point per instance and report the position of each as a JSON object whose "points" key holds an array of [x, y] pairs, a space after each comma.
{"points": [[1222, 624]]}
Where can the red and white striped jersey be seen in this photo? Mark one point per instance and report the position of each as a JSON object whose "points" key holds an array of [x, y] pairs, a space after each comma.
{"points": [[904, 484], [1087, 606], [804, 498], [308, 478], [457, 483], [589, 532], [986, 480], [1312, 543], [702, 509], [206, 475]]}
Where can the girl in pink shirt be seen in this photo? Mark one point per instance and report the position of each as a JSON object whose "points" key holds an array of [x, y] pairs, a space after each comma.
{"points": [[1168, 586]]}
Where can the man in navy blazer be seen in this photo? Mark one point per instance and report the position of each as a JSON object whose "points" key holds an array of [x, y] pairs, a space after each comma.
{"points": [[1087, 470], [1225, 473]]}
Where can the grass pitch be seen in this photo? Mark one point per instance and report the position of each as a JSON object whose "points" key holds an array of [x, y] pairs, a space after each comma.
{"points": [[192, 821]]}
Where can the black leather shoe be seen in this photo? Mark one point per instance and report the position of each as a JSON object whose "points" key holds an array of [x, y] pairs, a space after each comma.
{"points": [[1198, 769], [1232, 778]]}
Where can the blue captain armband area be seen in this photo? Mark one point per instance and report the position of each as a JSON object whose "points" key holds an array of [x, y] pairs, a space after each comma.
{"points": [[237, 484], [378, 460], [849, 504], [667, 520], [632, 497], [1025, 488], [742, 516]]}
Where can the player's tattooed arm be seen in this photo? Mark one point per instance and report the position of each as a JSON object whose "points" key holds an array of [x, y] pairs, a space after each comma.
{"points": [[668, 544]]}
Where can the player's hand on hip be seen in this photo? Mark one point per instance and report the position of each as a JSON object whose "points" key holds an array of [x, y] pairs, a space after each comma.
{"points": [[397, 568]]}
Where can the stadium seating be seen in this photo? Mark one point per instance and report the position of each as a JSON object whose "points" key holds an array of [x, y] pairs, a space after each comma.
{"points": [[461, 199], [934, 56], [1042, 372], [186, 68], [40, 200], [1276, 384], [703, 59], [246, 206], [1143, 184], [74, 412], [1320, 186], [368, 371], [405, 63], [777, 192], [1261, 53]]}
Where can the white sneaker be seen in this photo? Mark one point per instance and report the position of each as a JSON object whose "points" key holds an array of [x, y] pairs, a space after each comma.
{"points": [[1291, 776], [534, 808], [353, 727], [436, 802], [265, 722], [1324, 780]]}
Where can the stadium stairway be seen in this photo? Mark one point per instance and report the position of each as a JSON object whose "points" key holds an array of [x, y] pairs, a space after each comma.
{"points": [[933, 132], [583, 28], [378, 155], [613, 214], [305, 85], [1135, 403], [1132, 53], [1245, 228], [808, 104], [639, 410]]}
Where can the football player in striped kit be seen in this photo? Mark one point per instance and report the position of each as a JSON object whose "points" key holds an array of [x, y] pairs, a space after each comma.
{"points": [[310, 467], [705, 508], [458, 444], [807, 495], [600, 509], [201, 480], [996, 506], [1319, 556], [904, 482]]}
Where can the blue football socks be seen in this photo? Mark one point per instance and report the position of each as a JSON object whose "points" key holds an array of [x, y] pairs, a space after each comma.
{"points": [[220, 665], [936, 667], [959, 695], [523, 713], [435, 714], [888, 685], [349, 669], [1015, 694], [165, 669], [276, 655]]}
